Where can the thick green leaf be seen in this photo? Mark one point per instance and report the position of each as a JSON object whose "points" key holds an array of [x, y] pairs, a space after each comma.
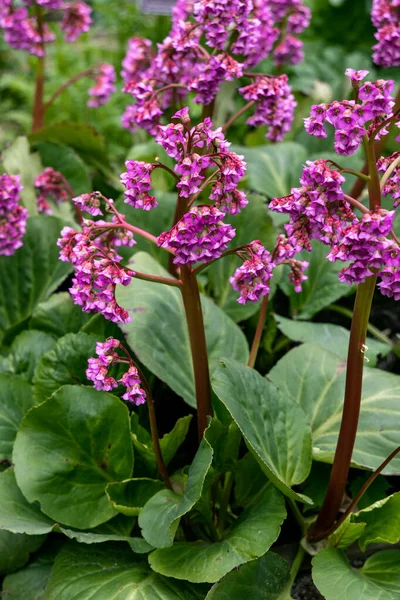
{"points": [[59, 315], [67, 450], [382, 522], [332, 337], [18, 516], [103, 573], [274, 426], [253, 223], [65, 160], [273, 170], [26, 351], [250, 537], [15, 400], [315, 378], [15, 549], [29, 583], [32, 273], [322, 286], [262, 579], [379, 578], [18, 160], [345, 535], [166, 351], [83, 138], [128, 497], [169, 443], [249, 479], [66, 363], [160, 517]]}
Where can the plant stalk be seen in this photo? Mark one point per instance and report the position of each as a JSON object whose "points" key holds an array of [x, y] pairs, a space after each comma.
{"points": [[351, 411], [374, 188], [258, 334], [195, 323], [38, 105]]}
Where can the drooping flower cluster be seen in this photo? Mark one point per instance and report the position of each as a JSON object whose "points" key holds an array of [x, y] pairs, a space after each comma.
{"points": [[183, 64], [318, 209], [200, 235], [105, 85], [97, 265], [275, 105], [252, 278], [13, 216], [386, 18], [52, 185], [23, 32], [98, 372], [392, 185], [349, 118]]}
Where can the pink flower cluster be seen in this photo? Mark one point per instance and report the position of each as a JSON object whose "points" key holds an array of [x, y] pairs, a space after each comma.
{"points": [[349, 118], [386, 18], [181, 63], [105, 85], [97, 266], [52, 185], [13, 216], [21, 29], [137, 182], [392, 185], [252, 278], [98, 372]]}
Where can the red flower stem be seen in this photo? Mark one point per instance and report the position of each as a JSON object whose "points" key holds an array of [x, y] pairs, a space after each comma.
{"points": [[67, 84], [237, 115], [363, 489], [195, 323], [137, 230], [157, 279], [374, 188], [160, 165], [258, 334], [200, 268], [351, 411], [38, 106], [356, 203]]}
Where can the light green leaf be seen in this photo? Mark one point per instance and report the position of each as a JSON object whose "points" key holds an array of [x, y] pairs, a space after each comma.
{"points": [[274, 426], [29, 583], [66, 161], [15, 400], [331, 337], [262, 579], [83, 138], [18, 516], [382, 521], [378, 579], [15, 549], [345, 535], [18, 160], [250, 537], [58, 315], [26, 351], [253, 223], [322, 286], [66, 363], [160, 517], [80, 572], [315, 379], [128, 497], [166, 350], [169, 443], [31, 274], [67, 450], [273, 170]]}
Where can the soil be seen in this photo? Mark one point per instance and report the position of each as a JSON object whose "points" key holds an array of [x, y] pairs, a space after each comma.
{"points": [[304, 589]]}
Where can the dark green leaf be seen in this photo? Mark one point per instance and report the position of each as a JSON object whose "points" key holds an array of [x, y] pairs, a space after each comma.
{"points": [[18, 160], [29, 583], [112, 572], [166, 351], [128, 497], [59, 315], [15, 400], [66, 363], [275, 430], [67, 162], [262, 579], [67, 450], [251, 535], [15, 549], [26, 351], [249, 480]]}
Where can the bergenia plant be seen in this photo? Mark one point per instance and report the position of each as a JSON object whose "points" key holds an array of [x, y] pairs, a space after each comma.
{"points": [[91, 379]]}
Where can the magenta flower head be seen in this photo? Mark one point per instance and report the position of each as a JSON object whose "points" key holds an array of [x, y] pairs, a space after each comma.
{"points": [[13, 217], [386, 18], [137, 182], [52, 185], [77, 20], [104, 86]]}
